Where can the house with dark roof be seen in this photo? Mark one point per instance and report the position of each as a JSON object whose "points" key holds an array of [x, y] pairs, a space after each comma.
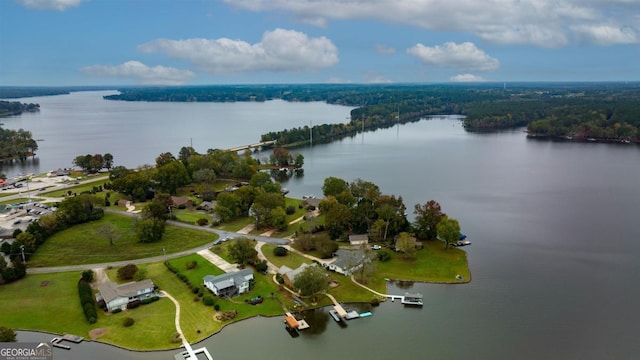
{"points": [[348, 261], [230, 284], [181, 201], [118, 296], [289, 275]]}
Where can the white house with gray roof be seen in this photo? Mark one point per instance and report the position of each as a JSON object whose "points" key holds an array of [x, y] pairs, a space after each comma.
{"points": [[230, 284], [118, 296], [348, 261], [289, 275]]}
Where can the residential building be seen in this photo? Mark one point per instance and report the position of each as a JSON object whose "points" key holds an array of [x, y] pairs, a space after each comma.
{"points": [[358, 239], [118, 296], [230, 284], [289, 275], [348, 261]]}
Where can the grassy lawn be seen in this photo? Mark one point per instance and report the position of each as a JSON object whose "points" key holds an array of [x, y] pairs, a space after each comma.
{"points": [[432, 264], [20, 200], [55, 307], [85, 186], [292, 260], [82, 244], [190, 216], [196, 274], [236, 224]]}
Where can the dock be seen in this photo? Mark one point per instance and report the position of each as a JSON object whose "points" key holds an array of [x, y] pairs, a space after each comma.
{"points": [[186, 355], [291, 323], [57, 341], [412, 299]]}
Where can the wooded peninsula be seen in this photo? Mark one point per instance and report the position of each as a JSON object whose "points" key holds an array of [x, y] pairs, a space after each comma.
{"points": [[577, 111]]}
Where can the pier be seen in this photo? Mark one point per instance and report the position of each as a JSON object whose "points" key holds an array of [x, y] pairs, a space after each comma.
{"points": [[57, 341], [253, 146]]}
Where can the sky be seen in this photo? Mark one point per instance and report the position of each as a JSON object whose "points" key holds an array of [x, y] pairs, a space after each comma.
{"points": [[210, 42]]}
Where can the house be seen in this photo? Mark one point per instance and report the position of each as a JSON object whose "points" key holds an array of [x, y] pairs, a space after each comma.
{"points": [[359, 239], [207, 205], [181, 201], [348, 261], [123, 202], [230, 284], [118, 296], [289, 275]]}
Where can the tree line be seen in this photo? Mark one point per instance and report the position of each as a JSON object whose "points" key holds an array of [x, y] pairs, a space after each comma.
{"points": [[9, 108], [16, 144]]}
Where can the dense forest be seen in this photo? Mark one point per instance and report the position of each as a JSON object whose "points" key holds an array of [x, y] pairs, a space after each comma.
{"points": [[8, 108]]}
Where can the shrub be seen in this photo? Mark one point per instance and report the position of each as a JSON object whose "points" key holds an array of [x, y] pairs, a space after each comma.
{"points": [[216, 307], [384, 255], [280, 251], [127, 272], [203, 221], [191, 265], [5, 248], [87, 276], [140, 275], [149, 300], [279, 279], [128, 322], [262, 267], [176, 338], [16, 232], [208, 300], [115, 311], [194, 289], [182, 206], [134, 304], [290, 210]]}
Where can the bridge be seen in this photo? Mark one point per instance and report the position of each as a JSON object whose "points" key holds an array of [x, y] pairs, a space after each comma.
{"points": [[253, 146]]}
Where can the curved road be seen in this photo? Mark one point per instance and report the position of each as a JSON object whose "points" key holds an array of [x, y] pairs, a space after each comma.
{"points": [[222, 233]]}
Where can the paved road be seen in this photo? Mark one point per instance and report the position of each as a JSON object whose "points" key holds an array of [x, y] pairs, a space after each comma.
{"points": [[222, 233]]}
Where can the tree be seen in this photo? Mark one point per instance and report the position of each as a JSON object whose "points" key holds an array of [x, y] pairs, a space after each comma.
{"points": [[243, 251], [164, 159], [260, 179], [228, 206], [78, 209], [281, 156], [311, 281], [448, 230], [337, 217], [127, 272], [299, 161], [427, 218], [406, 245], [109, 232], [171, 176], [204, 178], [7, 334], [107, 161], [158, 208], [333, 186], [150, 230]]}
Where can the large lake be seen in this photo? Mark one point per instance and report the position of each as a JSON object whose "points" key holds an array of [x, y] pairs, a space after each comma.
{"points": [[554, 227]]}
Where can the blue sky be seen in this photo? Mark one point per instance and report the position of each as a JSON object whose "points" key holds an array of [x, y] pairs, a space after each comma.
{"points": [[193, 42]]}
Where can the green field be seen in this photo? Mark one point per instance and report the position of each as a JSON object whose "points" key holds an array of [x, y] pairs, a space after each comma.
{"points": [[292, 260], [82, 244]]}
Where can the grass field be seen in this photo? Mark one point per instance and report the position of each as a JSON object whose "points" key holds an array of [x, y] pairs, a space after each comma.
{"points": [[82, 244], [292, 260], [432, 264], [85, 186], [190, 216]]}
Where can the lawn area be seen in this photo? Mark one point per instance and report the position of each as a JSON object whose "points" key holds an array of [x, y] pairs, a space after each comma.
{"points": [[222, 250], [432, 264], [190, 216], [82, 244], [20, 200], [292, 260], [50, 302], [236, 224], [196, 274], [85, 186]]}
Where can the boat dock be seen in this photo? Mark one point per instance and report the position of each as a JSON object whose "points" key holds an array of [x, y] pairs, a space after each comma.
{"points": [[57, 341], [291, 323], [412, 299], [187, 355]]}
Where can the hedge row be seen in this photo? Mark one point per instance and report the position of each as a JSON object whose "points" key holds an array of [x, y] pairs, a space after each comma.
{"points": [[86, 301], [197, 290]]}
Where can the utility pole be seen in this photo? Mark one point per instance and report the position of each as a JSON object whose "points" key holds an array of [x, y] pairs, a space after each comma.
{"points": [[22, 250]]}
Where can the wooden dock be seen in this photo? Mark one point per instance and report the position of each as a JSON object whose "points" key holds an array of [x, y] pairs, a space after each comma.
{"points": [[291, 323]]}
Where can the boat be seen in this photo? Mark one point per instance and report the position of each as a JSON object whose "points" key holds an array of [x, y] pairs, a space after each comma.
{"points": [[365, 314], [335, 316]]}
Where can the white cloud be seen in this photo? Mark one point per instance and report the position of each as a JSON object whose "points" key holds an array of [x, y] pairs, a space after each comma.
{"points": [[464, 56], [466, 78], [384, 50], [375, 78], [607, 35], [59, 5], [544, 23], [141, 73], [279, 50]]}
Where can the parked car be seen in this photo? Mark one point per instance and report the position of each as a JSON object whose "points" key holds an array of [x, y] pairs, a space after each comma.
{"points": [[376, 247]]}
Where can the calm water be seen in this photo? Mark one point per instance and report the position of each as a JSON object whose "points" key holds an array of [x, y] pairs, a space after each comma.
{"points": [[554, 254]]}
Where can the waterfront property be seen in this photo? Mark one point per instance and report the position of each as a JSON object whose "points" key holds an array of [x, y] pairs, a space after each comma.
{"points": [[348, 261], [118, 296], [289, 275], [230, 284]]}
